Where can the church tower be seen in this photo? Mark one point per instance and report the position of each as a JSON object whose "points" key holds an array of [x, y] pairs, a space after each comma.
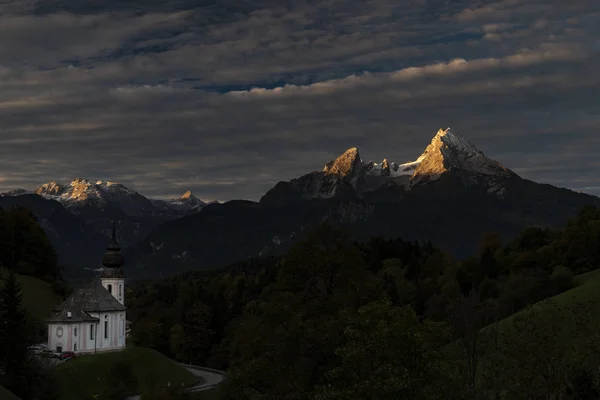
{"points": [[113, 278]]}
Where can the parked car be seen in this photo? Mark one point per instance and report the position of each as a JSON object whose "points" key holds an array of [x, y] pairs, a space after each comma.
{"points": [[66, 355], [37, 348], [48, 353]]}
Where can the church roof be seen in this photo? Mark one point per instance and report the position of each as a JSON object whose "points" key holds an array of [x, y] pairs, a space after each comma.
{"points": [[77, 315], [94, 298]]}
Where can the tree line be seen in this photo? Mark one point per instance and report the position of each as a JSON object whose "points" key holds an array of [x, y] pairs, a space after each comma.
{"points": [[19, 371], [25, 250], [339, 319], [386, 318], [24, 246]]}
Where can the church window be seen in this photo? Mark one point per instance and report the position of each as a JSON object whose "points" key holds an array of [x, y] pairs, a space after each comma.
{"points": [[75, 331], [59, 331], [109, 287], [58, 349], [106, 326], [74, 346], [120, 292], [91, 331]]}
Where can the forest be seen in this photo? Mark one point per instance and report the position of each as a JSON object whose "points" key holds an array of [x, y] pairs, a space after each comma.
{"points": [[24, 250], [338, 319], [386, 319]]}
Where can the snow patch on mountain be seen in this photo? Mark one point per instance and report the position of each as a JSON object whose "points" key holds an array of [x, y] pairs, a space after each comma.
{"points": [[185, 204], [349, 176], [15, 192], [451, 151], [83, 190]]}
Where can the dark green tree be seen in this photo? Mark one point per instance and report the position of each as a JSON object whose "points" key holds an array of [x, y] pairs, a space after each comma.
{"points": [[13, 342], [387, 353]]}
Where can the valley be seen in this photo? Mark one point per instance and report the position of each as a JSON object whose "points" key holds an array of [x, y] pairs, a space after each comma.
{"points": [[324, 292], [450, 195], [299, 200]]}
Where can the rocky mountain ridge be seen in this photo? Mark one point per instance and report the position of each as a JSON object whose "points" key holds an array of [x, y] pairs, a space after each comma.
{"points": [[99, 203], [348, 176], [451, 194]]}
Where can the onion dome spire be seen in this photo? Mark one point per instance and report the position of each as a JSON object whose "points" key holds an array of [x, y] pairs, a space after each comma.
{"points": [[113, 258]]}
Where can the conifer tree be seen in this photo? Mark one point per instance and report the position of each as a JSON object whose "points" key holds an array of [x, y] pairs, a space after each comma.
{"points": [[13, 343]]}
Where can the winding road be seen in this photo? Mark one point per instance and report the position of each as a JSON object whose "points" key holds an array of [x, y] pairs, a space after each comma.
{"points": [[212, 378]]}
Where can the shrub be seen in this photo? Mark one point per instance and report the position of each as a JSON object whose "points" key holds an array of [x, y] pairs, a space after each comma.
{"points": [[562, 278]]}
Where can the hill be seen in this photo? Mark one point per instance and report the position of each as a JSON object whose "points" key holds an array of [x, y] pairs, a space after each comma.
{"points": [[38, 297], [75, 244], [587, 292], [86, 376], [6, 395]]}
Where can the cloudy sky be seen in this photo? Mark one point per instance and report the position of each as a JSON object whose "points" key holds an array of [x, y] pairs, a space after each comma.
{"points": [[227, 97]]}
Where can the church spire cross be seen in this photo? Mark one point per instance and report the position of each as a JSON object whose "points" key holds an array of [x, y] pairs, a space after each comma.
{"points": [[114, 233], [113, 258]]}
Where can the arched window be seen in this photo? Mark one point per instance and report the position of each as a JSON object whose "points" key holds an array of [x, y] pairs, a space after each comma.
{"points": [[106, 326], [109, 288], [120, 291]]}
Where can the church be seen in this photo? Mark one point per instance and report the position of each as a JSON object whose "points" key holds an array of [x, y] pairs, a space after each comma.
{"points": [[93, 319]]}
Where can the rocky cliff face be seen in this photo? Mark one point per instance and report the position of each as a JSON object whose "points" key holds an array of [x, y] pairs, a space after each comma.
{"points": [[348, 177], [451, 194], [450, 152]]}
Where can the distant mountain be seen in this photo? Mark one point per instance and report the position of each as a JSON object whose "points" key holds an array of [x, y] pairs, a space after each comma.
{"points": [[77, 245], [186, 204], [82, 194], [451, 194], [100, 203], [348, 177]]}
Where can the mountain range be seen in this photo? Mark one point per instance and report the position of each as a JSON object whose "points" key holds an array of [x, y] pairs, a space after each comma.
{"points": [[451, 194], [78, 216]]}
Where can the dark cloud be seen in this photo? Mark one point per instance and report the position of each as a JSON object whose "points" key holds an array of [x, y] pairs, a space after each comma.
{"points": [[228, 97]]}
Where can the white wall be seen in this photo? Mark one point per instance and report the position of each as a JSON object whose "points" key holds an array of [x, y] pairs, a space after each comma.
{"points": [[63, 335], [116, 336], [117, 288], [87, 343]]}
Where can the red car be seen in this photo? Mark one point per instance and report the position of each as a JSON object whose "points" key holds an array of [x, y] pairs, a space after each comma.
{"points": [[66, 355]]}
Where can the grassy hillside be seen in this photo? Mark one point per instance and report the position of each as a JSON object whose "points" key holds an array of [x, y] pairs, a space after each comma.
{"points": [[86, 376], [544, 344], [587, 290], [6, 395], [38, 297]]}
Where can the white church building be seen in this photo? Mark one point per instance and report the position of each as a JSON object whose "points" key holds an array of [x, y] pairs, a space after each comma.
{"points": [[93, 319]]}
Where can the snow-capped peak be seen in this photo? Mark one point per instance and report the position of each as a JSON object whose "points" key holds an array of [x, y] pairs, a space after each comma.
{"points": [[450, 151], [82, 190], [447, 151], [188, 200], [15, 192], [455, 141]]}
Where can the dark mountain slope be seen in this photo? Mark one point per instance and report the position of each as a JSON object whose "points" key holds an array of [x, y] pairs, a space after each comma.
{"points": [[76, 244], [450, 195]]}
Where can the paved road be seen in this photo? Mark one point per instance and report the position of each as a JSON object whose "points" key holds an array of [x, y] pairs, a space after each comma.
{"points": [[211, 379]]}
